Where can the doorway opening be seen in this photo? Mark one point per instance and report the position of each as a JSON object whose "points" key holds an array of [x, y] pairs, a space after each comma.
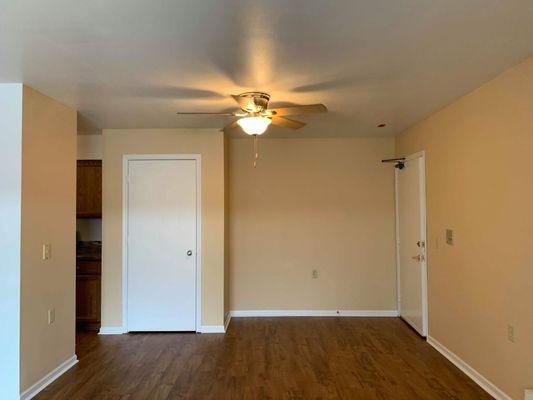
{"points": [[88, 244]]}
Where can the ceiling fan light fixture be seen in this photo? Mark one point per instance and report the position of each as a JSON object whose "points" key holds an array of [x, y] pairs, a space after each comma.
{"points": [[254, 125]]}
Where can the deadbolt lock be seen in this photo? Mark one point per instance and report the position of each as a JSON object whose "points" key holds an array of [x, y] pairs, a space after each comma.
{"points": [[421, 243]]}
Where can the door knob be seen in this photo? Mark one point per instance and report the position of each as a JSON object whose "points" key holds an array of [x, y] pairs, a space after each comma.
{"points": [[189, 252], [418, 257]]}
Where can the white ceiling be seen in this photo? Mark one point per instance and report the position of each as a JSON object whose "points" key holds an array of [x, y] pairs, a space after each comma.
{"points": [[134, 63]]}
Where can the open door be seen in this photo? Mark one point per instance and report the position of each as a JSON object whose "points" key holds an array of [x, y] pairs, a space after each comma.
{"points": [[411, 242]]}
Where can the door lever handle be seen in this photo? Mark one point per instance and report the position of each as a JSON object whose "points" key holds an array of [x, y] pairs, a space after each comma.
{"points": [[189, 253], [418, 257]]}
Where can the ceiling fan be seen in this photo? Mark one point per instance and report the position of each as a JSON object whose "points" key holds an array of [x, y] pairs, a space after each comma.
{"points": [[255, 116]]}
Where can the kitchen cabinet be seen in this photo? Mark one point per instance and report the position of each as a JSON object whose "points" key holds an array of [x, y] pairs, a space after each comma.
{"points": [[88, 295], [89, 189]]}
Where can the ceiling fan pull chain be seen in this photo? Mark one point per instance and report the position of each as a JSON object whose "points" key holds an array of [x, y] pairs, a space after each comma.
{"points": [[256, 151]]}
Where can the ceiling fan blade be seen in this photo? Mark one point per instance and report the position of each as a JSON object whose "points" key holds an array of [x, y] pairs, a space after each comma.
{"points": [[298, 110], [206, 113], [287, 123]]}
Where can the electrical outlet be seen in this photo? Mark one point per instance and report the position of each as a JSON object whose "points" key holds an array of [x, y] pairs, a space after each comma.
{"points": [[315, 274], [510, 333], [47, 251], [51, 316]]}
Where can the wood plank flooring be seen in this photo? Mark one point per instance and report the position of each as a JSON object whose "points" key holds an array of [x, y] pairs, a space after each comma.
{"points": [[266, 358]]}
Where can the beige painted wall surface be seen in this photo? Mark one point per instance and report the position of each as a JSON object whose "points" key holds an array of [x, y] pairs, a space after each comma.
{"points": [[48, 216], [90, 147], [480, 183], [324, 204], [208, 143]]}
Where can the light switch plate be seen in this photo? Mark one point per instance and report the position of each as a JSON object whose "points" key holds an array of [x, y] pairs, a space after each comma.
{"points": [[449, 236], [47, 251], [510, 333], [528, 394]]}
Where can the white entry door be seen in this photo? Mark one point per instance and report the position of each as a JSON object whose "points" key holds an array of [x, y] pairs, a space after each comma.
{"points": [[411, 242], [161, 245]]}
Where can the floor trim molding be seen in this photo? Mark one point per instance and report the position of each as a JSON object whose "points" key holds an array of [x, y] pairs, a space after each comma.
{"points": [[212, 329], [314, 313], [118, 330], [111, 330], [42, 383], [483, 382]]}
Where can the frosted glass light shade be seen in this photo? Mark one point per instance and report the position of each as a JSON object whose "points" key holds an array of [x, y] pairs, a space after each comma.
{"points": [[254, 125]]}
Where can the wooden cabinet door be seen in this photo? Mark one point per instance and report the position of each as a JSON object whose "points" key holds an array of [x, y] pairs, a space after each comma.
{"points": [[88, 301], [88, 294], [89, 189]]}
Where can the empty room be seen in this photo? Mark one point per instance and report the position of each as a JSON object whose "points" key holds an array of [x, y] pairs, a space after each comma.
{"points": [[237, 199]]}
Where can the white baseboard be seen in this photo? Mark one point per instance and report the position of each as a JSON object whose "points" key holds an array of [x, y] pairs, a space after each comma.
{"points": [[483, 382], [118, 330], [212, 329], [49, 378], [216, 328], [314, 313], [111, 330]]}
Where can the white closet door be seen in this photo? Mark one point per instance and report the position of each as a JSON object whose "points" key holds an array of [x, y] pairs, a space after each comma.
{"points": [[161, 245]]}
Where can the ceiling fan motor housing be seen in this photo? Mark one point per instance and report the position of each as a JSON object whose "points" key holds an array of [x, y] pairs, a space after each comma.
{"points": [[254, 102]]}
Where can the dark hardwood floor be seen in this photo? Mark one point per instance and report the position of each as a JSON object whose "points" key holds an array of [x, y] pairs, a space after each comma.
{"points": [[266, 358]]}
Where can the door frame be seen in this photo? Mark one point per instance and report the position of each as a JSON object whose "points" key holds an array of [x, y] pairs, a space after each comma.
{"points": [[421, 155], [126, 158]]}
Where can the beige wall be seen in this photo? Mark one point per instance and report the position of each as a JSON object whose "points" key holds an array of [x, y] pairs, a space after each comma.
{"points": [[208, 143], [324, 204], [480, 183], [90, 147], [48, 216]]}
